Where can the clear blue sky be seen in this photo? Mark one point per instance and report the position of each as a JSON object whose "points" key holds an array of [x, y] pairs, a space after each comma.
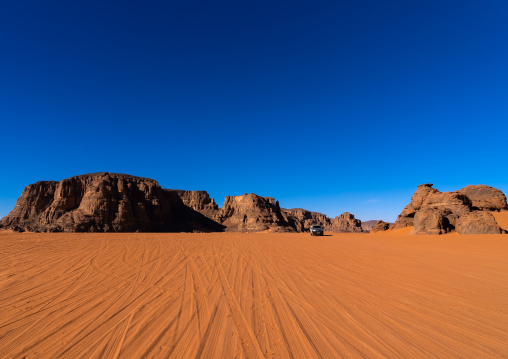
{"points": [[331, 106]]}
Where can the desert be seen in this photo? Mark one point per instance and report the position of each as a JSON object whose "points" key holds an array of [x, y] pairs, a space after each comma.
{"points": [[252, 295], [108, 265], [253, 179]]}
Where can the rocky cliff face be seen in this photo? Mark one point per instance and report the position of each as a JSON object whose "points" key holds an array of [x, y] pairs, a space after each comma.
{"points": [[305, 219], [253, 213], [34, 200], [111, 202], [434, 212], [199, 201], [105, 202], [346, 222]]}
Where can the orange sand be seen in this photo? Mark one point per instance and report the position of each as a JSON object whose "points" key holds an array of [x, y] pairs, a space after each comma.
{"points": [[230, 295], [391, 232], [501, 219]]}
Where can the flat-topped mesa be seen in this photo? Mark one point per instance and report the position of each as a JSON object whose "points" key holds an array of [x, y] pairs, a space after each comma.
{"points": [[253, 213], [434, 212], [103, 202]]}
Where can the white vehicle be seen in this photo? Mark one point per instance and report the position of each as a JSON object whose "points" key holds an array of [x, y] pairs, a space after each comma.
{"points": [[316, 230]]}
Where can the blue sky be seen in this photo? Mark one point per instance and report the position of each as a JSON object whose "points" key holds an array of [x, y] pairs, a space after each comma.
{"points": [[331, 106]]}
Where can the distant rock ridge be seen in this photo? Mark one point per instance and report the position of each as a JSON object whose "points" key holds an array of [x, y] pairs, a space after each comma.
{"points": [[305, 218], [346, 222], [464, 211], [113, 202], [367, 226]]}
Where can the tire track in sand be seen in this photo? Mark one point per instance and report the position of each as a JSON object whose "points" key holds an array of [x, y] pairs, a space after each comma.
{"points": [[249, 341], [37, 325]]}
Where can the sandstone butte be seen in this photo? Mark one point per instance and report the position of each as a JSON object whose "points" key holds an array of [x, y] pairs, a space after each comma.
{"points": [[111, 202]]}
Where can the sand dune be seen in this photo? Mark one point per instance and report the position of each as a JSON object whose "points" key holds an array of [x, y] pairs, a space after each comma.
{"points": [[501, 219], [231, 295]]}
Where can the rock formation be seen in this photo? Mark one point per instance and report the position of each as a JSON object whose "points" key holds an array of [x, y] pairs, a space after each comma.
{"points": [[346, 222], [380, 226], [105, 202], [253, 213], [485, 198], [199, 201], [305, 218], [367, 226], [434, 212], [111, 202], [478, 222]]}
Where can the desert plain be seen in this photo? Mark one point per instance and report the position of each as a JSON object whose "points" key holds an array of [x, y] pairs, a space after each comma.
{"points": [[253, 295]]}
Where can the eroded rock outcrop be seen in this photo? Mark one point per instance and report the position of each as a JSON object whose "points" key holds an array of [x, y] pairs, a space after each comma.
{"points": [[346, 222], [112, 202], [34, 200], [367, 226], [478, 222], [380, 226], [433, 220], [485, 198], [253, 213], [199, 201], [305, 219], [434, 212], [104, 202]]}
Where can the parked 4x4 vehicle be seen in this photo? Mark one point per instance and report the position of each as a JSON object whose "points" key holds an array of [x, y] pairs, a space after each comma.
{"points": [[316, 230]]}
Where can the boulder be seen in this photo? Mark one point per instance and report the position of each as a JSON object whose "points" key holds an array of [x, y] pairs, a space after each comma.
{"points": [[485, 198], [478, 222], [432, 220]]}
